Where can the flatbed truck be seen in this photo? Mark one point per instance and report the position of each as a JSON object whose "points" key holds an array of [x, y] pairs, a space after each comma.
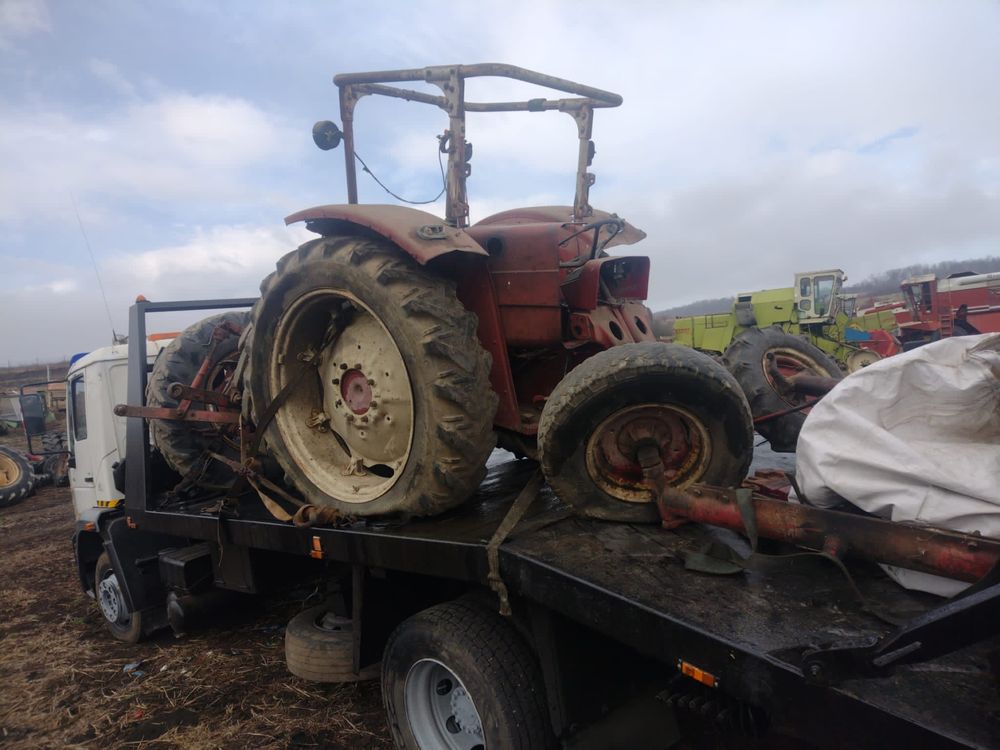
{"points": [[606, 638]]}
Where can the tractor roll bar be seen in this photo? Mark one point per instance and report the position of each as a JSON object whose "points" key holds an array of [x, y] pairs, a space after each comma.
{"points": [[451, 80]]}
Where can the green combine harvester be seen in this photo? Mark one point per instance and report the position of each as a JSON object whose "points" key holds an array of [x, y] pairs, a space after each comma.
{"points": [[811, 328]]}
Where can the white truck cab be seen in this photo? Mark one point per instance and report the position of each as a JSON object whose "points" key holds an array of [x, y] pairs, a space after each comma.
{"points": [[95, 383]]}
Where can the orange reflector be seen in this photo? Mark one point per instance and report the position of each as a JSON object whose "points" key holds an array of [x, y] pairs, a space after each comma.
{"points": [[163, 336], [690, 670], [317, 550], [90, 526]]}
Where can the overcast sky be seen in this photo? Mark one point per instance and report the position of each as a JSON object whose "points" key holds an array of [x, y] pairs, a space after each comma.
{"points": [[756, 139]]}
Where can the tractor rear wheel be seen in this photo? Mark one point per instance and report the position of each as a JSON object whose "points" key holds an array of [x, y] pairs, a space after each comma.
{"points": [[185, 446], [592, 423], [17, 479], [746, 359], [390, 408]]}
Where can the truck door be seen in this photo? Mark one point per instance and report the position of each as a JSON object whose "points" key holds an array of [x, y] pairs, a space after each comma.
{"points": [[81, 473]]}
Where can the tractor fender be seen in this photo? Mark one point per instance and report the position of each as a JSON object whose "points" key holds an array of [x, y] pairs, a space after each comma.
{"points": [[420, 234]]}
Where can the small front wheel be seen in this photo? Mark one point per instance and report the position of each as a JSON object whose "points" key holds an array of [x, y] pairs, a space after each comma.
{"points": [[459, 677], [123, 624], [605, 409]]}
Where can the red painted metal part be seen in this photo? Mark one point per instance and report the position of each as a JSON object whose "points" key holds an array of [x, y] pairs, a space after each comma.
{"points": [[190, 415], [356, 391], [422, 235], [940, 551], [883, 343]]}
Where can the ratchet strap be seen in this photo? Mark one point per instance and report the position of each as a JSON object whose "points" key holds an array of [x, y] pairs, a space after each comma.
{"points": [[514, 515]]}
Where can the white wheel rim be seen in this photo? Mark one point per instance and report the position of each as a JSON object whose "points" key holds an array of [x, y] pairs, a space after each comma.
{"points": [[439, 709], [110, 600], [365, 404]]}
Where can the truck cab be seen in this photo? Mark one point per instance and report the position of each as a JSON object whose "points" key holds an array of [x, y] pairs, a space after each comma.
{"points": [[95, 383]]}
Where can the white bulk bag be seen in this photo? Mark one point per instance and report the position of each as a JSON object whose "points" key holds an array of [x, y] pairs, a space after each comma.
{"points": [[915, 438]]}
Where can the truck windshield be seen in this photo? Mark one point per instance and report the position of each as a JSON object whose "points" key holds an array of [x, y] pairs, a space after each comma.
{"points": [[823, 288]]}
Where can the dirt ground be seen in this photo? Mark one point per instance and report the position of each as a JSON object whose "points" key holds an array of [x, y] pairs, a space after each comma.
{"points": [[63, 681]]}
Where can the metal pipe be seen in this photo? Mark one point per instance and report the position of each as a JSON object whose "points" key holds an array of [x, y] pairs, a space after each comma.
{"points": [[965, 557]]}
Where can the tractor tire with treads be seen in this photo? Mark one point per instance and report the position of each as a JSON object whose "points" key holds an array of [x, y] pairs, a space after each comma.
{"points": [[746, 359], [185, 445], [390, 409], [681, 399], [17, 479]]}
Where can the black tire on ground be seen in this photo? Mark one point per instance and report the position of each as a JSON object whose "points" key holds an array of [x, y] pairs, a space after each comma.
{"points": [[442, 365], [184, 445], [57, 464], [319, 646], [746, 360], [126, 626], [695, 406], [487, 658], [17, 478]]}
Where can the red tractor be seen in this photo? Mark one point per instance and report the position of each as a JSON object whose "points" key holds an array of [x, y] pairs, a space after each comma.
{"points": [[387, 357]]}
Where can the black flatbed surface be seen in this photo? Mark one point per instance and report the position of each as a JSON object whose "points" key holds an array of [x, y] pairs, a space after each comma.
{"points": [[629, 582]]}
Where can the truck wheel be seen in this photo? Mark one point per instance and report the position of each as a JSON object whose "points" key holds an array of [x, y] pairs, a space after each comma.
{"points": [[17, 479], [458, 677], [319, 646], [124, 625], [185, 445], [57, 465], [395, 411], [679, 397], [746, 359]]}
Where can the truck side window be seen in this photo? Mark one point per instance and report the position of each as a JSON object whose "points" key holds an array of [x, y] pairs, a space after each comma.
{"points": [[805, 287], [79, 409]]}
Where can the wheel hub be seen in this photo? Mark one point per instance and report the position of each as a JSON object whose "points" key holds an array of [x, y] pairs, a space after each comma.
{"points": [[790, 363], [356, 391], [110, 600], [356, 429], [9, 471], [440, 711], [681, 438]]}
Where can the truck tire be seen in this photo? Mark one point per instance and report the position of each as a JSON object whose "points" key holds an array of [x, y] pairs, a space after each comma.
{"points": [[679, 397], [124, 625], [56, 464], [17, 479], [319, 646], [746, 360], [185, 445], [393, 412], [459, 676]]}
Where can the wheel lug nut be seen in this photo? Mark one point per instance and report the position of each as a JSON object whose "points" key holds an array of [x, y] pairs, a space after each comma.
{"points": [[371, 382], [335, 381], [343, 366], [364, 419]]}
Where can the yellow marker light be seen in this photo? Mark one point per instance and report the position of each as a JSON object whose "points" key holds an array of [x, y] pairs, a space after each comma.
{"points": [[690, 670]]}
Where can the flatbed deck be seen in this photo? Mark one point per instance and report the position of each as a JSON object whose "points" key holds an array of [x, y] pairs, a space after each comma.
{"points": [[629, 583]]}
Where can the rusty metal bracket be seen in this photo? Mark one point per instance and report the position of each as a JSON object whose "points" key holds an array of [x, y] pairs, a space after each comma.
{"points": [[190, 415]]}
